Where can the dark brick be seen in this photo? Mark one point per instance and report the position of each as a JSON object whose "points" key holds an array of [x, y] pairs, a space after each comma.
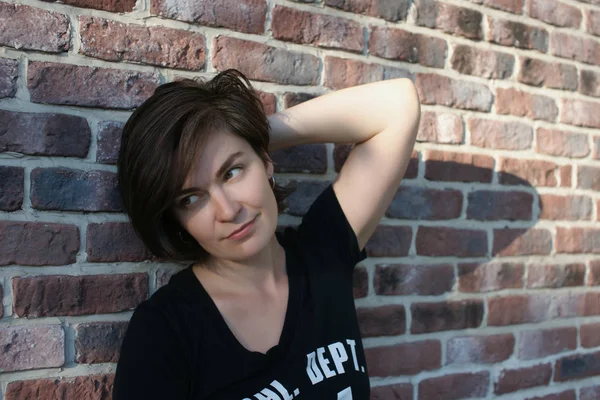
{"points": [[566, 395], [589, 335], [389, 241], [446, 316], [458, 167], [9, 72], [590, 83], [387, 320], [522, 242], [450, 18], [590, 393], [293, 99], [398, 44], [305, 194], [415, 202], [389, 10], [360, 282], [383, 361], [308, 158], [541, 343], [490, 205], [517, 379], [114, 242], [455, 386], [11, 188], [441, 241], [80, 387], [577, 367], [342, 73], [551, 75], [517, 34], [480, 349], [490, 276], [555, 276], [119, 6], [399, 391], [513, 6], [409, 279], [109, 141], [484, 63], [99, 342]]}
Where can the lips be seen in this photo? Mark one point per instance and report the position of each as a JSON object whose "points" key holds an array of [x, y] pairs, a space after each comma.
{"points": [[241, 228]]}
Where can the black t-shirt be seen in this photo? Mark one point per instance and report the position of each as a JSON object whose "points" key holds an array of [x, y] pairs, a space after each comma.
{"points": [[178, 346]]}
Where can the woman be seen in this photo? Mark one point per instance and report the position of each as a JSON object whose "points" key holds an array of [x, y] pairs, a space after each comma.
{"points": [[258, 314]]}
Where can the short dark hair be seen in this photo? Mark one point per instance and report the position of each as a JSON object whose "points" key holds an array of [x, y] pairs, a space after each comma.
{"points": [[162, 141]]}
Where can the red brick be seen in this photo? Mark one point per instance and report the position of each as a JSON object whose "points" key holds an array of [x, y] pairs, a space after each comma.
{"points": [[578, 366], [517, 34], [246, 16], [49, 296], [455, 386], [265, 63], [441, 90], [588, 177], [109, 141], [446, 316], [566, 175], [9, 73], [114, 242], [440, 128], [566, 395], [66, 84], [555, 12], [360, 282], [120, 6], [479, 349], [389, 241], [383, 361], [81, 387], [590, 83], [1, 302], [490, 277], [541, 343], [594, 273], [389, 10], [458, 167], [38, 243], [442, 241], [518, 379], [387, 320], [342, 73], [31, 347], [269, 102], [593, 21], [577, 48], [589, 335], [527, 172], [341, 152], [562, 143], [490, 205], [500, 134], [551, 75], [570, 208], [320, 30], [44, 134], [416, 202], [399, 391], [555, 276], [513, 6], [580, 113], [590, 393], [410, 279], [523, 104], [51, 33], [522, 242], [307, 158], [99, 342], [11, 187], [484, 63], [401, 45], [577, 240], [74, 190], [155, 45], [450, 19]]}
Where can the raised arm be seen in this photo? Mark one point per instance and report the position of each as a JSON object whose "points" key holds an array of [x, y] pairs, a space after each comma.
{"points": [[382, 120]]}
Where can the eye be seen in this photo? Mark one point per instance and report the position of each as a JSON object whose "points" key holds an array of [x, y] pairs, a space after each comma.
{"points": [[189, 200], [233, 172]]}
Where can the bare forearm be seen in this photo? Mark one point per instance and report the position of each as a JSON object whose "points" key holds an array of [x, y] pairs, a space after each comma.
{"points": [[352, 115]]}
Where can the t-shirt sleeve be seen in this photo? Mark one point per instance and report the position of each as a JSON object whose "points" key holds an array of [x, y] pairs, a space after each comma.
{"points": [[327, 231], [152, 362]]}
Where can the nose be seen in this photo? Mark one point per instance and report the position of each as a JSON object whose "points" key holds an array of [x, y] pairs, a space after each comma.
{"points": [[226, 208]]}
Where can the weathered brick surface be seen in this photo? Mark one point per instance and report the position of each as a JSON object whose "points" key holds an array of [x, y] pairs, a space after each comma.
{"points": [[156, 45], [578, 48], [511, 380], [240, 15], [522, 242], [11, 188], [8, 77], [341, 73], [566, 175], [308, 158], [321, 30], [593, 21], [455, 386], [566, 395], [441, 90], [580, 113], [450, 18], [551, 75], [442, 241], [513, 6], [360, 282], [489, 205], [37, 243], [458, 167], [500, 134], [387, 320], [589, 83], [398, 44], [305, 194], [73, 190], [489, 277], [265, 63], [440, 128], [94, 387], [120, 6], [389, 241], [66, 84], [416, 202], [577, 240], [388, 10], [523, 104], [44, 134], [527, 172], [109, 141], [484, 63], [269, 102], [594, 273], [51, 33], [31, 347], [99, 342], [572, 208], [479, 349], [541, 343], [562, 143], [577, 367], [446, 316], [589, 335], [399, 391], [114, 241], [48, 296], [589, 393], [588, 177], [517, 34], [555, 12], [383, 361], [409, 279]]}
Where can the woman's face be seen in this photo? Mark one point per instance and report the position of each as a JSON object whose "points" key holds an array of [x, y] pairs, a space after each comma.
{"points": [[228, 188]]}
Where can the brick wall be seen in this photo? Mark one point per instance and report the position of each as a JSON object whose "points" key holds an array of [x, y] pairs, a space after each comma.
{"points": [[483, 279]]}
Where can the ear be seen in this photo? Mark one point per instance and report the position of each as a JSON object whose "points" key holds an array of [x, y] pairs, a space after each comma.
{"points": [[270, 168]]}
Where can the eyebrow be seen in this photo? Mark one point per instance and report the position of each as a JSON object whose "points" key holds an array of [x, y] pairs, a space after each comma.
{"points": [[222, 169]]}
